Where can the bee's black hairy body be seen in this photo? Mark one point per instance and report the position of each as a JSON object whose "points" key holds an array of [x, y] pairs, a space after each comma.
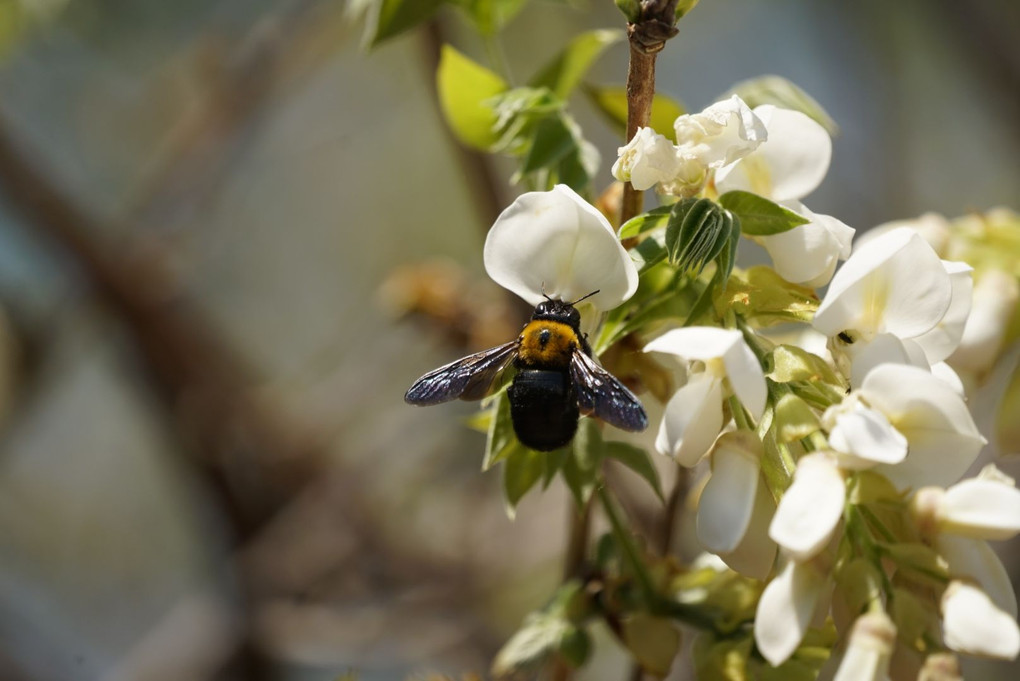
{"points": [[556, 381]]}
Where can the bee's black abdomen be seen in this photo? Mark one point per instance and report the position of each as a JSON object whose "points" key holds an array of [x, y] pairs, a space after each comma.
{"points": [[543, 409]]}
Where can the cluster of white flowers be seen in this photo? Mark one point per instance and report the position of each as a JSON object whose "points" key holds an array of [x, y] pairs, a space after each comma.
{"points": [[901, 324], [780, 154]]}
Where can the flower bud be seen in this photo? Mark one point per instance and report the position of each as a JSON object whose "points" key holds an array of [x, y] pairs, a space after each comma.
{"points": [[869, 650]]}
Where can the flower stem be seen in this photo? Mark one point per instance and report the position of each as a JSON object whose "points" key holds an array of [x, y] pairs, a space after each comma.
{"points": [[623, 536], [640, 93]]}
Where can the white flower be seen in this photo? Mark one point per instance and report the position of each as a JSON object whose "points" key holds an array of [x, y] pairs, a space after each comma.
{"points": [[693, 416], [556, 243], [727, 501], [789, 164], [931, 227], [869, 650], [649, 158], [807, 254], [976, 560], [994, 302], [787, 607], [896, 302], [972, 624], [981, 507], [810, 509], [721, 134], [897, 402]]}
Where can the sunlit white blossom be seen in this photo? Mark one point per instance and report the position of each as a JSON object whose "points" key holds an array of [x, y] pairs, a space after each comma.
{"points": [[994, 303], [972, 624], [808, 254], [810, 509], [789, 164], [649, 158], [869, 649], [693, 416], [898, 403], [556, 243], [894, 301], [728, 499], [725, 132], [786, 609], [975, 560]]}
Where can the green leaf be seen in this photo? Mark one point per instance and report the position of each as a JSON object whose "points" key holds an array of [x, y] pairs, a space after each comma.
{"points": [[523, 468], [581, 469], [696, 234], [551, 144], [653, 641], [649, 252], [564, 72], [396, 16], [500, 436], [759, 216], [638, 460], [490, 16], [791, 363], [611, 102], [656, 217], [575, 646], [782, 93], [919, 560], [464, 89], [528, 649]]}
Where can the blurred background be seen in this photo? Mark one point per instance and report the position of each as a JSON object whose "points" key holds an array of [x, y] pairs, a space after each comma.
{"points": [[212, 217]]}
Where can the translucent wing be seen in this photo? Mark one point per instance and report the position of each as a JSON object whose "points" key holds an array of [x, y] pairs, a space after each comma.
{"points": [[468, 378], [601, 394]]}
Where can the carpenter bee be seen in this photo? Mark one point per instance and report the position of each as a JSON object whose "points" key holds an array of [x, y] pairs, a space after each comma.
{"points": [[556, 381]]}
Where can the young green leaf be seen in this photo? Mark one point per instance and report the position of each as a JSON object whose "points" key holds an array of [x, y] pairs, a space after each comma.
{"points": [[782, 93], [490, 16], [523, 468], [464, 88], [500, 436], [581, 469], [611, 102], [653, 641], [563, 73], [393, 17], [552, 142], [638, 460], [759, 216], [656, 217]]}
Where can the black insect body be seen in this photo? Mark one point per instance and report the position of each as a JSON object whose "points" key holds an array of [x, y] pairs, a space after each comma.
{"points": [[556, 381]]}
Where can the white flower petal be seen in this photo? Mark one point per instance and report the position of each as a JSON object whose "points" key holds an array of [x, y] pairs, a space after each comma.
{"points": [[869, 650], [692, 420], [746, 377], [696, 342], [894, 284], [985, 509], [940, 342], [943, 440], [757, 552], [994, 300], [649, 158], [728, 499], [785, 610], [558, 241], [885, 348], [807, 254], [721, 134], [867, 435], [972, 624], [809, 511], [975, 559], [790, 164], [947, 375]]}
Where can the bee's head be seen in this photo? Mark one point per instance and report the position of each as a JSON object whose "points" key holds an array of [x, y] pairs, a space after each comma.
{"points": [[560, 311]]}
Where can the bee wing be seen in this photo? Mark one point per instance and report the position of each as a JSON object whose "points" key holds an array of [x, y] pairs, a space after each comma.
{"points": [[601, 394], [468, 378]]}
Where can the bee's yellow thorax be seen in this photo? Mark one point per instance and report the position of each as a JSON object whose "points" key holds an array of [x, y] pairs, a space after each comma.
{"points": [[547, 344]]}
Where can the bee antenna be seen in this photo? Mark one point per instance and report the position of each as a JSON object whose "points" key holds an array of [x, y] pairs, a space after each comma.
{"points": [[544, 294], [585, 297]]}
